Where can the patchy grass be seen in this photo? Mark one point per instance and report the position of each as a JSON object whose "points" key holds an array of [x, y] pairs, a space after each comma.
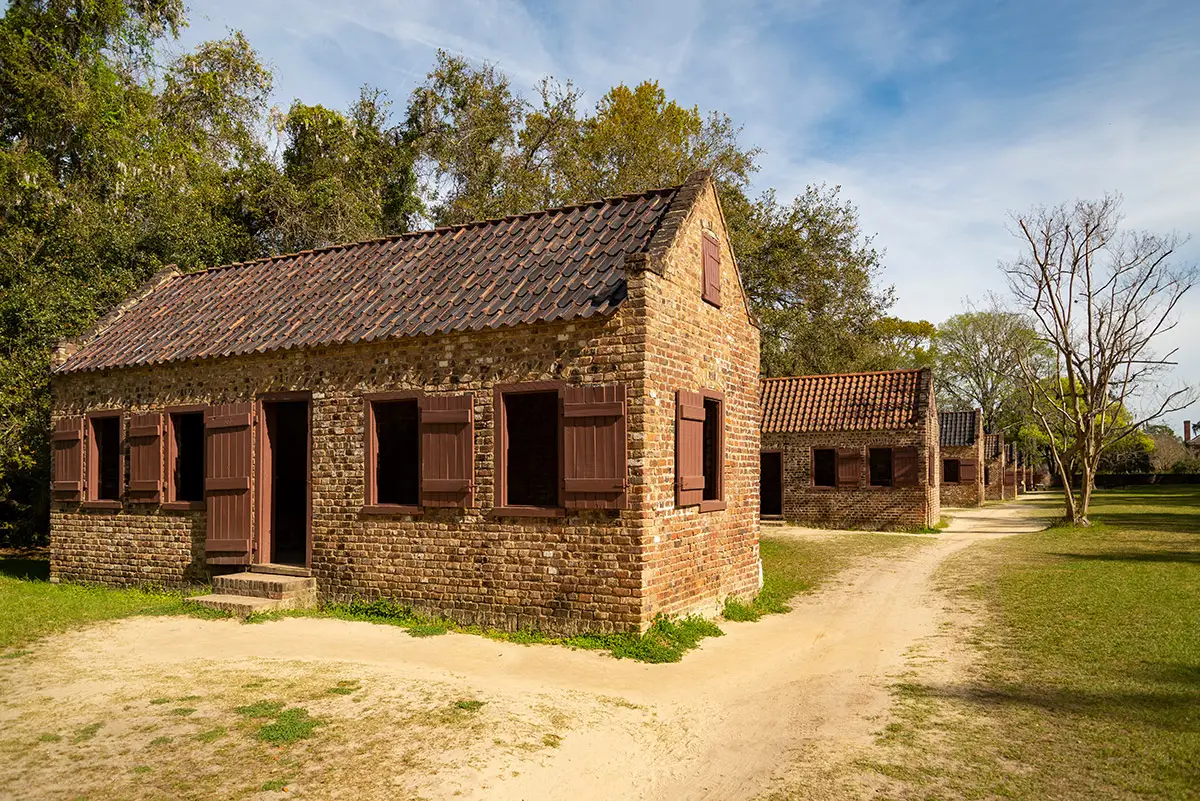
{"points": [[50, 737], [212, 735], [183, 711], [32, 607], [289, 726], [1088, 684], [274, 786], [87, 733], [261, 709], [795, 566], [470, 706], [344, 688]]}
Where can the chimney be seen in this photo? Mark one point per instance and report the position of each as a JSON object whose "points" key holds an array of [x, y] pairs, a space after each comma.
{"points": [[1187, 430]]}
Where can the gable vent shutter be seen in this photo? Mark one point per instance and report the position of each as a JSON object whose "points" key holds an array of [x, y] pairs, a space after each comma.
{"points": [[905, 466], [447, 450], [968, 471], [67, 443], [227, 465], [712, 269], [595, 459], [689, 448], [849, 467], [145, 458]]}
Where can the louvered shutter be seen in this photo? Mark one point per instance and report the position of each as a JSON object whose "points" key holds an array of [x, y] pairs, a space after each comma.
{"points": [[145, 458], [849, 467], [595, 456], [689, 448], [711, 251], [447, 450], [905, 465], [227, 465], [968, 471], [66, 441]]}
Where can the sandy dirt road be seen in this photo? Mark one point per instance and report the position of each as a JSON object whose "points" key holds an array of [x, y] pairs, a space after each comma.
{"points": [[723, 724]]}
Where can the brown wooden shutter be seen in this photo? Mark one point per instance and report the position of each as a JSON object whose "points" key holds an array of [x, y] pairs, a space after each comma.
{"points": [[968, 471], [689, 448], [227, 463], [595, 455], [905, 465], [711, 251], [448, 450], [849, 467], [145, 458], [66, 441]]}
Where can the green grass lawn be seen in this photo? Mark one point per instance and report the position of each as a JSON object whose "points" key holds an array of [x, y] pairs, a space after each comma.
{"points": [[1089, 686], [32, 607]]}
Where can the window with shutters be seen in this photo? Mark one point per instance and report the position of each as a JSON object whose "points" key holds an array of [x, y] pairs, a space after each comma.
{"points": [[394, 453], [714, 453], [700, 449], [185, 459], [528, 450], [824, 467], [951, 471], [711, 269], [67, 459], [105, 466], [879, 467]]}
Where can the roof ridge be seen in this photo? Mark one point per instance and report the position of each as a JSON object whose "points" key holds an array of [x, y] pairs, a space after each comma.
{"points": [[842, 375], [441, 229]]}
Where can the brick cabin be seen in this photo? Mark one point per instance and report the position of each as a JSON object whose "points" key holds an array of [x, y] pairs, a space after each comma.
{"points": [[993, 470], [1012, 480], [549, 420], [851, 451], [962, 444]]}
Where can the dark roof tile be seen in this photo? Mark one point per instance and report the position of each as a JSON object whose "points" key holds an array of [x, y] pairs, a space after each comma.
{"points": [[845, 402], [958, 428], [557, 264]]}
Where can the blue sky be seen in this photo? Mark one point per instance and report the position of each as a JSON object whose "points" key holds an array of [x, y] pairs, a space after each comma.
{"points": [[936, 118]]}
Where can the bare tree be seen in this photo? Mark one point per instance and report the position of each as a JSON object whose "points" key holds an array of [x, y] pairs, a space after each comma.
{"points": [[1100, 296]]}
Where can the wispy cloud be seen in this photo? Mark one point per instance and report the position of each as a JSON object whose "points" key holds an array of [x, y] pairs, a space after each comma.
{"points": [[937, 118]]}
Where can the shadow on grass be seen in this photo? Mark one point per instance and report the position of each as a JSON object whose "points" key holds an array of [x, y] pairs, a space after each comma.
{"points": [[32, 569], [1170, 709], [1185, 521], [1184, 557]]}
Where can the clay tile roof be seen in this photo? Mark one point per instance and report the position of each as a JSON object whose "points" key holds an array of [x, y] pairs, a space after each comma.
{"points": [[848, 402], [993, 444], [958, 428], [557, 264]]}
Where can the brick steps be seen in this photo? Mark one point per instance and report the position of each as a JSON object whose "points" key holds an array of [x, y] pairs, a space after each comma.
{"points": [[247, 593]]}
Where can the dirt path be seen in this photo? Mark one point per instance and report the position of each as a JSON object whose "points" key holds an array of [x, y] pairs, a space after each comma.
{"points": [[722, 724]]}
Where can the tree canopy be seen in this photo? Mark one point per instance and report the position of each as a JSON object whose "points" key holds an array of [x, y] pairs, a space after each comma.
{"points": [[113, 165]]}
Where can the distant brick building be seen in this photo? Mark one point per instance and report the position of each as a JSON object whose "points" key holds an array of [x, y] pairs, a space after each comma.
{"points": [[994, 466], [1012, 472], [851, 451], [963, 464], [548, 420]]}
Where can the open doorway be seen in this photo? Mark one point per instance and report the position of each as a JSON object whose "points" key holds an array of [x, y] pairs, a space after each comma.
{"points": [[770, 488], [285, 476]]}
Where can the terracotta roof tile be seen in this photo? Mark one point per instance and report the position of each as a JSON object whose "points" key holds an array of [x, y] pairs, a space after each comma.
{"points": [[958, 428], [557, 264], [846, 402]]}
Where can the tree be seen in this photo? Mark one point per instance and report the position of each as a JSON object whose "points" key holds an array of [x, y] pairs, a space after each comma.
{"points": [[1100, 296], [977, 356], [811, 276]]}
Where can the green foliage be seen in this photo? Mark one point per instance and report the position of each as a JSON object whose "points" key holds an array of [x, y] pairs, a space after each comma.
{"points": [[289, 726], [666, 640]]}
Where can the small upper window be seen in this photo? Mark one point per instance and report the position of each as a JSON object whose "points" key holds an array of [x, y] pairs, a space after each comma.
{"points": [[711, 258], [186, 454], [824, 467], [951, 470], [880, 466], [105, 453]]}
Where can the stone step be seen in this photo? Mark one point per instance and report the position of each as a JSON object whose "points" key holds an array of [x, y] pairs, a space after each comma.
{"points": [[240, 605], [302, 591], [281, 570]]}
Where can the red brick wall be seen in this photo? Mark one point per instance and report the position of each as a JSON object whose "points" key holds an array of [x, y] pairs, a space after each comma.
{"points": [[590, 571], [970, 493], [694, 559]]}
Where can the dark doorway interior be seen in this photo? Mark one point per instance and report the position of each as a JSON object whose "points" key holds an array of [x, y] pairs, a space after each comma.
{"points": [[532, 460], [287, 470], [771, 484]]}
